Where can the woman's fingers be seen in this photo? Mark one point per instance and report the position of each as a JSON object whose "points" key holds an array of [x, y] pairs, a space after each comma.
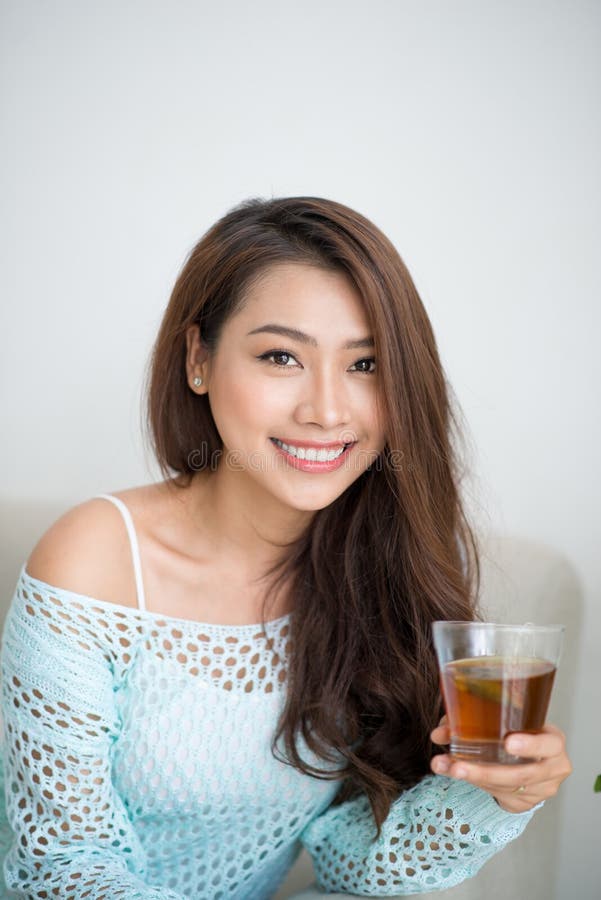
{"points": [[494, 778], [441, 734], [548, 743], [515, 787]]}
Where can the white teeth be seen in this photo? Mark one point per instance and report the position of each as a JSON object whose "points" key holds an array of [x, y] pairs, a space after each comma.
{"points": [[310, 453]]}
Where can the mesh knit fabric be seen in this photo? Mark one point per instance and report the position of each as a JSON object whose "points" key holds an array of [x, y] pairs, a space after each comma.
{"points": [[137, 765]]}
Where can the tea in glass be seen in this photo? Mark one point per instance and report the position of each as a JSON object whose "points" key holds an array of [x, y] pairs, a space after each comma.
{"points": [[495, 679]]}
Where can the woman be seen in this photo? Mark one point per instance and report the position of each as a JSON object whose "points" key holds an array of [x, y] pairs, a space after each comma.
{"points": [[159, 745]]}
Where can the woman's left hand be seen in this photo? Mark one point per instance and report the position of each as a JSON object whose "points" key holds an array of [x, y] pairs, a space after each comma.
{"points": [[516, 788]]}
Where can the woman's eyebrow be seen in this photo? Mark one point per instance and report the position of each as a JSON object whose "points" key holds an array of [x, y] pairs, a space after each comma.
{"points": [[297, 335]]}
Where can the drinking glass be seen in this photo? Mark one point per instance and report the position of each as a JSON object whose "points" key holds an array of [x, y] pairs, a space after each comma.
{"points": [[495, 679]]}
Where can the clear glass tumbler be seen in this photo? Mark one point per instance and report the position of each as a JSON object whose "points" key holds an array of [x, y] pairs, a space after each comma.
{"points": [[496, 679]]}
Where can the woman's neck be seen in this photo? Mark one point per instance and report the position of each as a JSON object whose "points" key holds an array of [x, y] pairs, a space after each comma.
{"points": [[240, 524]]}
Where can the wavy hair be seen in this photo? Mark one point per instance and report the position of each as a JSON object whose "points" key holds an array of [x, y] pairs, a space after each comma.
{"points": [[395, 551]]}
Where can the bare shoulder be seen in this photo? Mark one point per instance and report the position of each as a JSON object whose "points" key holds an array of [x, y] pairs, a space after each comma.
{"points": [[87, 551]]}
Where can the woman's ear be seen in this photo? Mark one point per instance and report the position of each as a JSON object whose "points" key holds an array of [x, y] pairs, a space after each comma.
{"points": [[197, 361]]}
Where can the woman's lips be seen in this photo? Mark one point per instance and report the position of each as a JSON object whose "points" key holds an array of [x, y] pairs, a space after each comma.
{"points": [[314, 465], [326, 445]]}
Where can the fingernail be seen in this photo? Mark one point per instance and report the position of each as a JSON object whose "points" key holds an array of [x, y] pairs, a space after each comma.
{"points": [[515, 744], [440, 765]]}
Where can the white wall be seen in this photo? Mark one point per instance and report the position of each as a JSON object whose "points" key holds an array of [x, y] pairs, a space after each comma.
{"points": [[469, 131]]}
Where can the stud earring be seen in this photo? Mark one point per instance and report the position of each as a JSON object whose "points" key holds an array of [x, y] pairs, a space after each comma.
{"points": [[197, 381]]}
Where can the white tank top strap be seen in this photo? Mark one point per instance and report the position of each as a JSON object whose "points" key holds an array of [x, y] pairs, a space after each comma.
{"points": [[133, 540]]}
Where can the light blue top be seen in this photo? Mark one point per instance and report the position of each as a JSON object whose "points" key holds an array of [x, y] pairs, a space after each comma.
{"points": [[138, 764]]}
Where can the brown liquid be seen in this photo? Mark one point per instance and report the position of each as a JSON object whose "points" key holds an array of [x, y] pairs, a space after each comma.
{"points": [[489, 696]]}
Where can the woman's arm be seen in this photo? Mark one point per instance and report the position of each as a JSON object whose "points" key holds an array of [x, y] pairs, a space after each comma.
{"points": [[436, 835], [72, 834]]}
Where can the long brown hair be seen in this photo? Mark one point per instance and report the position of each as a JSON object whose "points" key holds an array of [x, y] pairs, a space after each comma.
{"points": [[395, 551]]}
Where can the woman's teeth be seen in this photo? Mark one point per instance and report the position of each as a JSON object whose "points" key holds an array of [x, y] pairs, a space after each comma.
{"points": [[309, 452]]}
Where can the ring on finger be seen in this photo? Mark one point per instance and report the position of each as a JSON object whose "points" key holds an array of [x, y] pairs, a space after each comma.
{"points": [[520, 789]]}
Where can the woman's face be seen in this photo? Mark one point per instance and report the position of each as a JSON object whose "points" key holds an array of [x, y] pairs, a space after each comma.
{"points": [[284, 373]]}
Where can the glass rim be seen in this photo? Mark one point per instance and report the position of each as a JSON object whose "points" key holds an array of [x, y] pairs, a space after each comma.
{"points": [[499, 626]]}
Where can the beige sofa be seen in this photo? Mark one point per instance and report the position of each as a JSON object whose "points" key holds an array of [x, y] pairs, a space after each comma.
{"points": [[522, 581]]}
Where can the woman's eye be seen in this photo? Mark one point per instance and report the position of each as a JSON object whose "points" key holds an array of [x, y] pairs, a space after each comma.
{"points": [[273, 355], [369, 364], [282, 360]]}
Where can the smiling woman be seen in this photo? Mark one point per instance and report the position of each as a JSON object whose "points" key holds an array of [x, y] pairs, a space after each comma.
{"points": [[161, 742], [309, 406]]}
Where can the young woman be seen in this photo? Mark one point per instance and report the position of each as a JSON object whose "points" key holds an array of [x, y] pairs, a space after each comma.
{"points": [[204, 674]]}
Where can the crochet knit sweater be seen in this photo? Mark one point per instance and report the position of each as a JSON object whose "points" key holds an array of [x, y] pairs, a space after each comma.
{"points": [[137, 762]]}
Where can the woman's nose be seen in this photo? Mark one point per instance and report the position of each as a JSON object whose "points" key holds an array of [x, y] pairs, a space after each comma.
{"points": [[324, 401]]}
